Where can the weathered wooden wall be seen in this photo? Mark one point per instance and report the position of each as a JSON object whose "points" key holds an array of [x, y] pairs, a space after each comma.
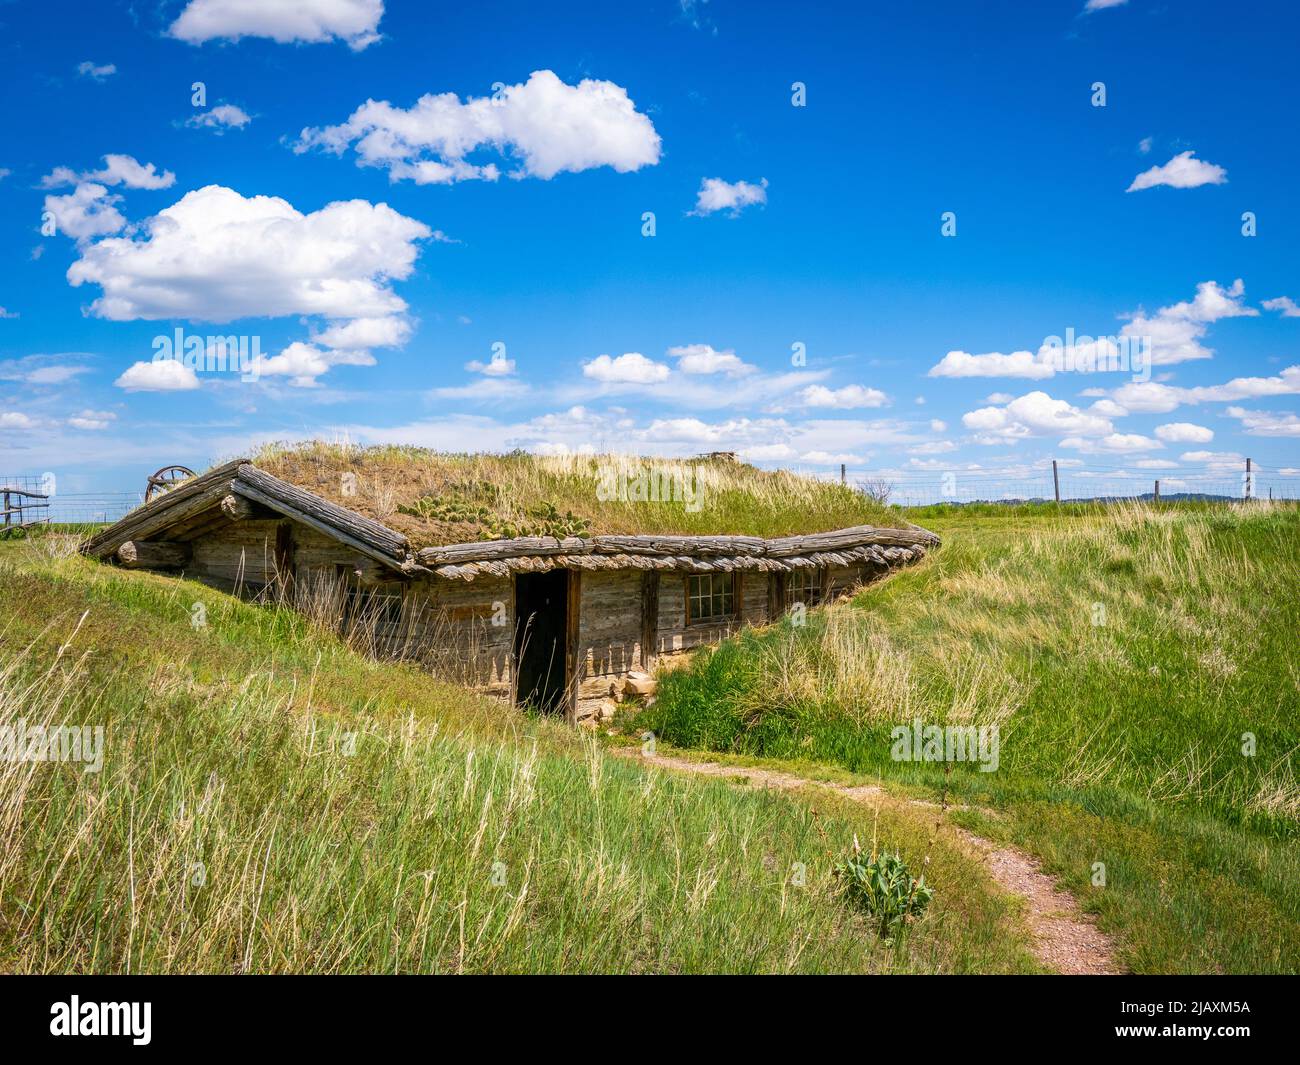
{"points": [[465, 630], [609, 632]]}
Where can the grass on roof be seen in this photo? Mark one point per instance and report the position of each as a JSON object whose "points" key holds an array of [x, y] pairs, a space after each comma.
{"points": [[436, 497]]}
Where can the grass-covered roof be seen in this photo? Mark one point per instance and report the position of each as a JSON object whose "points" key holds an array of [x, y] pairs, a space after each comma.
{"points": [[436, 498]]}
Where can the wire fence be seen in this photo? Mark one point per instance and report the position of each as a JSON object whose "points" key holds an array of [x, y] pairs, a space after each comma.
{"points": [[85, 508], [24, 501], [1073, 481], [30, 500]]}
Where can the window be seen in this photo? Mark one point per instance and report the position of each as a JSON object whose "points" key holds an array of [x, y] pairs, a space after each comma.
{"points": [[805, 586], [710, 597]]}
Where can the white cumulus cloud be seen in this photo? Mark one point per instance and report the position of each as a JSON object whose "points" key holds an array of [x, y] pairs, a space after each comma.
{"points": [[630, 368], [307, 21], [221, 118], [992, 364], [123, 170], [548, 126], [1033, 414], [1153, 397], [1267, 423], [165, 375], [733, 197], [1174, 332], [849, 397], [85, 212], [497, 366], [704, 359], [1111, 443], [216, 255], [1183, 171], [1284, 305], [303, 363], [1184, 433]]}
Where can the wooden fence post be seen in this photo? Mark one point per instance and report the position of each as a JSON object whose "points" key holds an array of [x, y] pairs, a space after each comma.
{"points": [[1056, 481], [1157, 490]]}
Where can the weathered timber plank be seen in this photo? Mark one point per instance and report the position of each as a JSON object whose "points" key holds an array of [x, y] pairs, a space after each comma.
{"points": [[144, 524], [366, 547], [146, 516], [272, 491], [732, 552], [156, 554]]}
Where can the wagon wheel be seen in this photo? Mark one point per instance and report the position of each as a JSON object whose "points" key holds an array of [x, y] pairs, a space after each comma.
{"points": [[165, 480]]}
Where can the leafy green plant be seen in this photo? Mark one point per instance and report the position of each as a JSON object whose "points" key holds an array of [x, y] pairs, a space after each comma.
{"points": [[540, 519], [884, 888], [435, 508]]}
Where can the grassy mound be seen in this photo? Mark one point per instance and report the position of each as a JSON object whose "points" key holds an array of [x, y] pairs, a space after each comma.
{"points": [[1140, 666], [438, 497], [270, 801]]}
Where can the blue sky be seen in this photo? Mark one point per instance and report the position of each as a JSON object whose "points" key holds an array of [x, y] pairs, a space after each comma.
{"points": [[378, 254]]}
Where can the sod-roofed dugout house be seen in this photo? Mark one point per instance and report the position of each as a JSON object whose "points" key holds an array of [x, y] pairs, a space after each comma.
{"points": [[541, 580]]}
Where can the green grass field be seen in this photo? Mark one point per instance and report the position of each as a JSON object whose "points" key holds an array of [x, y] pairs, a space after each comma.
{"points": [[1140, 665], [270, 801]]}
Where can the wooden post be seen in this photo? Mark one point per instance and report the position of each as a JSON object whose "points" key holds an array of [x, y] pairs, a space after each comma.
{"points": [[1056, 481], [649, 618], [573, 664], [1157, 490], [844, 475], [284, 559], [775, 596], [1250, 488]]}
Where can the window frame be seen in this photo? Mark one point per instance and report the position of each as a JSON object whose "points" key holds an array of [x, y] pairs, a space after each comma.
{"points": [[801, 594], [733, 593]]}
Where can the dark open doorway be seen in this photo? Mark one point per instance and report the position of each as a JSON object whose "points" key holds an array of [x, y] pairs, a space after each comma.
{"points": [[541, 644]]}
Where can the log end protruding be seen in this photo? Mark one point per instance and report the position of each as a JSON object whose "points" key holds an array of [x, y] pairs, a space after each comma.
{"points": [[155, 554], [237, 508]]}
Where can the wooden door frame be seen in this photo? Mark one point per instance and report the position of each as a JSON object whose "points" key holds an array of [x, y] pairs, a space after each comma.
{"points": [[572, 603], [572, 667]]}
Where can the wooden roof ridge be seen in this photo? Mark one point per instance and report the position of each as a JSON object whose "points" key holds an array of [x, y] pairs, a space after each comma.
{"points": [[187, 499], [240, 477], [662, 545], [329, 518]]}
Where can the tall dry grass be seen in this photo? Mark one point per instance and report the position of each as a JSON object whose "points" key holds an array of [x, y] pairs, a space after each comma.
{"points": [[720, 496]]}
